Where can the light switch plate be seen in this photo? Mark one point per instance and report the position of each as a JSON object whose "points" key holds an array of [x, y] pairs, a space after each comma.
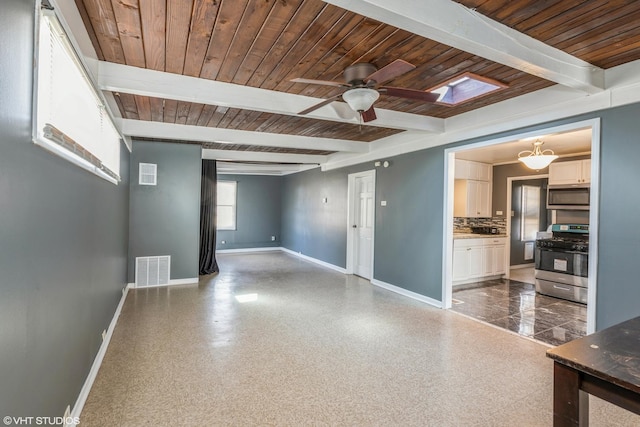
{"points": [[383, 203]]}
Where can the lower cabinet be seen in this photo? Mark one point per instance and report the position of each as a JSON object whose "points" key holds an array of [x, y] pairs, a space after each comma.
{"points": [[478, 258]]}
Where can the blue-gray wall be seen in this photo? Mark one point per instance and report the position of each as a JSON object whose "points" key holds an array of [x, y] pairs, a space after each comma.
{"points": [[258, 212], [309, 226], [619, 234], [408, 240], [405, 228], [165, 219], [63, 247]]}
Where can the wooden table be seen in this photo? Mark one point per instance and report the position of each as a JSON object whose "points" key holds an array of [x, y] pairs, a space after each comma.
{"points": [[605, 364]]}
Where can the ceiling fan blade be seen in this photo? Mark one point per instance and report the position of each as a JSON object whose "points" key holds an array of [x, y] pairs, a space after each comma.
{"points": [[391, 71], [320, 105], [369, 115], [319, 82], [401, 92]]}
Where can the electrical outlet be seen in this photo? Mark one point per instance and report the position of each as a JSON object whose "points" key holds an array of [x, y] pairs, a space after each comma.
{"points": [[273, 238], [104, 334]]}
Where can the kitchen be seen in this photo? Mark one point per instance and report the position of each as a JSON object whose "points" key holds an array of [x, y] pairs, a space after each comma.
{"points": [[527, 271]]}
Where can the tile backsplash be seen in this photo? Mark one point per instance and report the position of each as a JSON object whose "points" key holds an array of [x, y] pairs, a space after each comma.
{"points": [[463, 225]]}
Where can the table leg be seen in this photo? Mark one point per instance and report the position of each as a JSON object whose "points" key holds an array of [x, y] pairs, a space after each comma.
{"points": [[570, 404]]}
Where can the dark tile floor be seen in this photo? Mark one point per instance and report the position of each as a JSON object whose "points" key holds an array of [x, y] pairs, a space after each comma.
{"points": [[516, 306]]}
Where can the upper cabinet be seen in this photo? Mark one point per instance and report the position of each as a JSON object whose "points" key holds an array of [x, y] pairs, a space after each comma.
{"points": [[466, 169], [472, 191], [472, 199], [570, 173]]}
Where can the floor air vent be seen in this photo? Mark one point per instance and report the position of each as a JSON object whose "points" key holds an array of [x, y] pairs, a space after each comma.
{"points": [[152, 271]]}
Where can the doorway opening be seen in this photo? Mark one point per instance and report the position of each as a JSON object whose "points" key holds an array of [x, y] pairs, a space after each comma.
{"points": [[527, 216], [497, 245]]}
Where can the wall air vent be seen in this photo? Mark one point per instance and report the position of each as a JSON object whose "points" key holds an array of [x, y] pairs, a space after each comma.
{"points": [[148, 173], [152, 271]]}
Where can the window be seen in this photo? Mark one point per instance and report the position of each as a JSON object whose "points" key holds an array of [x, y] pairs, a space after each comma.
{"points": [[530, 214], [465, 87], [226, 205], [71, 119]]}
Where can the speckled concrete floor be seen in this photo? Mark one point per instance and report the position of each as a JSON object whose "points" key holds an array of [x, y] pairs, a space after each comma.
{"points": [[315, 348]]}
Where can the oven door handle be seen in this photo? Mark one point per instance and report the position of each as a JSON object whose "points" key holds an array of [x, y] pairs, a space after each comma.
{"points": [[563, 251]]}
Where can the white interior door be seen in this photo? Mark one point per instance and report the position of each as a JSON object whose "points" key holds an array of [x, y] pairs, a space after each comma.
{"points": [[363, 225]]}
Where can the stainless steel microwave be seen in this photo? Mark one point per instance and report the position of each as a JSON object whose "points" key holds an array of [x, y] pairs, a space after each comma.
{"points": [[568, 197]]}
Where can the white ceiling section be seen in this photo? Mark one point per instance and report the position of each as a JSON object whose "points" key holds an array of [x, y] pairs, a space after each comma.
{"points": [[563, 144], [581, 88], [161, 130]]}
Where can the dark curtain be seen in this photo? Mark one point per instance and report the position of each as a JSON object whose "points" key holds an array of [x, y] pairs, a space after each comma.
{"points": [[208, 264]]}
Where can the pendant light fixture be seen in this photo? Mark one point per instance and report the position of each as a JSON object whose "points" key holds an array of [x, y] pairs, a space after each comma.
{"points": [[537, 158]]}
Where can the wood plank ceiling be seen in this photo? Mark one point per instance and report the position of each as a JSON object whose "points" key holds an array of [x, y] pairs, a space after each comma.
{"points": [[266, 43]]}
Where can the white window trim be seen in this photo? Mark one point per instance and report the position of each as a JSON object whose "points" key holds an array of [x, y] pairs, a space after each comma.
{"points": [[53, 143], [522, 214], [234, 206]]}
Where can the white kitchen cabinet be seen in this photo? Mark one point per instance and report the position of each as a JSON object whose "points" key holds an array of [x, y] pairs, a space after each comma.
{"points": [[475, 262], [493, 260], [499, 257], [461, 169], [466, 169], [475, 259], [467, 259], [570, 173], [472, 199]]}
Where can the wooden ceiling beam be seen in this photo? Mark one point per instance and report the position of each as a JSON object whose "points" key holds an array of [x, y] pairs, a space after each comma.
{"points": [[457, 26], [139, 81], [148, 129]]}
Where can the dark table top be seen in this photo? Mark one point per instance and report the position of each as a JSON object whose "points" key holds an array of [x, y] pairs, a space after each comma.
{"points": [[612, 354]]}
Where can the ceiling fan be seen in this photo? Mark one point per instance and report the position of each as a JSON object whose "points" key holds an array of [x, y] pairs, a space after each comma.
{"points": [[363, 87]]}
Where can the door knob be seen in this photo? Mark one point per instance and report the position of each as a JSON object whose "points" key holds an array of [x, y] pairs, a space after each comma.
{"points": [[354, 226]]}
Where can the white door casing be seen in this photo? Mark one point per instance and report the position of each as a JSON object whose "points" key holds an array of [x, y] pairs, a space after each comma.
{"points": [[360, 239], [594, 165]]}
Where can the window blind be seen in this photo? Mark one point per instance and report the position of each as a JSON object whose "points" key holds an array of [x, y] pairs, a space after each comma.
{"points": [[70, 113]]}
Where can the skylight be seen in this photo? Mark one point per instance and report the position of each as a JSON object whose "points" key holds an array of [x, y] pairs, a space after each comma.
{"points": [[465, 87]]}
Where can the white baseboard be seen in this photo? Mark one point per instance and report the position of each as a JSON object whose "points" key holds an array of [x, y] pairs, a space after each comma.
{"points": [[172, 282], [188, 281], [246, 250], [519, 266], [95, 367], [477, 280], [315, 260], [407, 293]]}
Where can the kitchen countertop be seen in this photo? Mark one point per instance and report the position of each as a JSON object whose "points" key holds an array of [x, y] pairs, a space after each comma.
{"points": [[476, 236]]}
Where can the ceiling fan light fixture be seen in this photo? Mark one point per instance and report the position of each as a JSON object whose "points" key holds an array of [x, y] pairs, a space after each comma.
{"points": [[537, 158], [360, 99]]}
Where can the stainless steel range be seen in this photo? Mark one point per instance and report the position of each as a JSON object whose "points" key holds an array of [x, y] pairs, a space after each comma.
{"points": [[562, 262]]}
